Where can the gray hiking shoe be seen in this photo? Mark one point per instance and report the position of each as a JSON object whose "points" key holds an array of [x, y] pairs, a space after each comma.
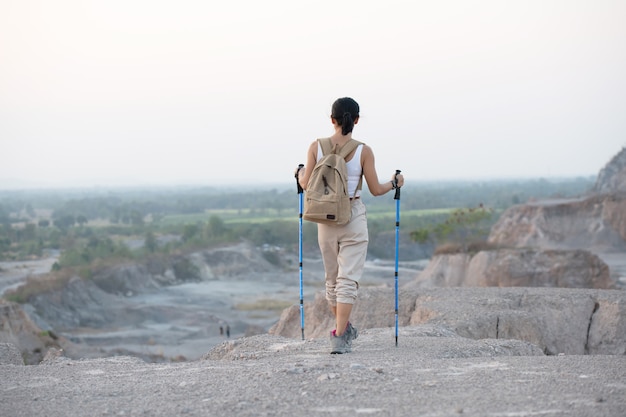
{"points": [[343, 343], [352, 333], [340, 344]]}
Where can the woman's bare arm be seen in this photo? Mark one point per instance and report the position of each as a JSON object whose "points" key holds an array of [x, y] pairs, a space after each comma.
{"points": [[371, 176]]}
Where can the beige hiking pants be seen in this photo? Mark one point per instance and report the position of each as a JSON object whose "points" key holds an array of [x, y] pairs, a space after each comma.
{"points": [[344, 249]]}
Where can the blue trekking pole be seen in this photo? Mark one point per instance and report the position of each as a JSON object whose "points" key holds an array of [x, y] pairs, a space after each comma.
{"points": [[397, 198], [300, 206]]}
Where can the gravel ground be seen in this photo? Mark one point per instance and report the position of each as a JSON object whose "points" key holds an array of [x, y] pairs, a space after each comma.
{"points": [[432, 372]]}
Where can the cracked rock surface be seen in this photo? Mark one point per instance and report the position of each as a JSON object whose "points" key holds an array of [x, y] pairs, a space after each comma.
{"points": [[558, 320]]}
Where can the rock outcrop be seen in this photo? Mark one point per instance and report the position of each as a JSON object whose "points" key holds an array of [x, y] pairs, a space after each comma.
{"points": [[517, 267], [570, 321], [232, 262], [25, 337], [612, 177], [82, 303], [550, 242], [596, 223]]}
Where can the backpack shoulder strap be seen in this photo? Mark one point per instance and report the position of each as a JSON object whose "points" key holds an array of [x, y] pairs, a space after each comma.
{"points": [[327, 146], [350, 146]]}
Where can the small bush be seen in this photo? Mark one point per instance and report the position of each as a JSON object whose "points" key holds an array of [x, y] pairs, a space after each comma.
{"points": [[472, 248], [480, 245], [448, 249]]}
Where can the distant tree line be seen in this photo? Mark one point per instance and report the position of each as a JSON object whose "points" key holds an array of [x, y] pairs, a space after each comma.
{"points": [[87, 225]]}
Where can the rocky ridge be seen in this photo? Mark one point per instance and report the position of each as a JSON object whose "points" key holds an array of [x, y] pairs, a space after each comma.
{"points": [[613, 176], [573, 243], [595, 222], [556, 320]]}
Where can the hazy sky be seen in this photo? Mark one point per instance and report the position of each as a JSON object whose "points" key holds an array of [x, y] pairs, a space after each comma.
{"points": [[200, 91]]}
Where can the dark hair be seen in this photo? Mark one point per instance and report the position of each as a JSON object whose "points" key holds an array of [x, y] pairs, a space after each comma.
{"points": [[345, 110]]}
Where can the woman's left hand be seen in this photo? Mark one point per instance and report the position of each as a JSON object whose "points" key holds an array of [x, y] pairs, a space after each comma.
{"points": [[398, 180]]}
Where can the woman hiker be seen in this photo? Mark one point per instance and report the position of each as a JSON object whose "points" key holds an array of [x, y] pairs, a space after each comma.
{"points": [[344, 248]]}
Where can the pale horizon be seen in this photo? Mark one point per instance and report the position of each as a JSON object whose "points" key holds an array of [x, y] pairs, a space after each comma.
{"points": [[140, 93], [95, 185]]}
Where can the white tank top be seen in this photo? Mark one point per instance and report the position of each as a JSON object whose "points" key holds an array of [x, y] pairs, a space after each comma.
{"points": [[354, 170]]}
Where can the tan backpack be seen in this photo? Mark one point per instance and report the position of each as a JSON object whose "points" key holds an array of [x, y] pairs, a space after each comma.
{"points": [[326, 199]]}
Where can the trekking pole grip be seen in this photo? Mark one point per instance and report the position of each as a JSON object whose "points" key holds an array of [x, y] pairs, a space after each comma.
{"points": [[300, 190], [395, 183]]}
